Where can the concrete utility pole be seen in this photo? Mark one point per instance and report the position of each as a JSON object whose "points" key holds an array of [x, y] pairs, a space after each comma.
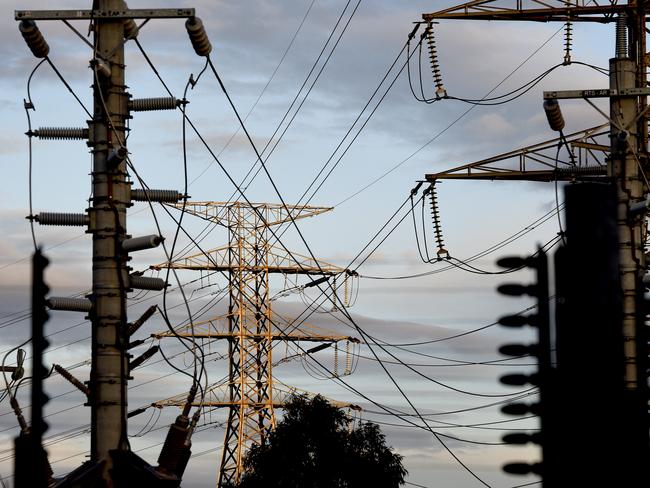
{"points": [[108, 377], [625, 168], [111, 462]]}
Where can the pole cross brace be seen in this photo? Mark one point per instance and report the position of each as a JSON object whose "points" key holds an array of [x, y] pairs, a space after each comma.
{"points": [[134, 13], [597, 93]]}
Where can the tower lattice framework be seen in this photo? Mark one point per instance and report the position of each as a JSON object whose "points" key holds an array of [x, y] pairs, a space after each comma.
{"points": [[248, 260]]}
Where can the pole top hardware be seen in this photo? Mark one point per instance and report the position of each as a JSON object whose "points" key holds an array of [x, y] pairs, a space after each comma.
{"points": [[597, 93], [134, 13]]}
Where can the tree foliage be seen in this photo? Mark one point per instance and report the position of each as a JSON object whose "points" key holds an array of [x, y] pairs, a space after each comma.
{"points": [[312, 447]]}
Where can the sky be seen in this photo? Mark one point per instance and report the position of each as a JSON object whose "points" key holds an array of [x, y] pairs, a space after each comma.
{"points": [[264, 51]]}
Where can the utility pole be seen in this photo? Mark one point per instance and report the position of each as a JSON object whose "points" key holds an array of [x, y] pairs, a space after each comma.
{"points": [[108, 377], [112, 23]]}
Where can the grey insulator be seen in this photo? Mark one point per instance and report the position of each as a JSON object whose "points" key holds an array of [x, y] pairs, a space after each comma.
{"points": [[57, 218], [140, 243], [68, 376], [143, 357], [148, 104], [130, 29], [198, 36], [162, 196], [621, 36], [62, 133], [554, 114], [34, 39], [582, 170], [69, 304], [135, 325], [116, 156], [146, 283]]}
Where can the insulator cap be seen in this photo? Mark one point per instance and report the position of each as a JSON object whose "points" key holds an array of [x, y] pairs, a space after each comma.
{"points": [[172, 451], [515, 289], [521, 438], [58, 218], [34, 39], [148, 104], [69, 304], [554, 114], [522, 468], [161, 196], [519, 409], [137, 343], [117, 156], [74, 381], [134, 326], [61, 133], [135, 412], [17, 373], [143, 357], [517, 320], [146, 283], [198, 36], [130, 29], [582, 170], [513, 262], [519, 379], [320, 347], [518, 350], [140, 243]]}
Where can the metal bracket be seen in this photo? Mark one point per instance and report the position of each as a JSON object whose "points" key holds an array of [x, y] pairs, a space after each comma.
{"points": [[135, 13], [597, 93]]}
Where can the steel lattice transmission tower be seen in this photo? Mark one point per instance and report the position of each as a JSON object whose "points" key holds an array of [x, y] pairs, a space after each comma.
{"points": [[250, 326]]}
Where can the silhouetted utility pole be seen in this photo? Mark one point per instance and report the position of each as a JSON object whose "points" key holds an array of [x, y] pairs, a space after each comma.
{"points": [[112, 23], [625, 169]]}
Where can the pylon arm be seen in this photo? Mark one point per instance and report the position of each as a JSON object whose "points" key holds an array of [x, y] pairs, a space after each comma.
{"points": [[133, 13], [538, 161], [534, 10], [268, 213], [217, 396], [278, 260], [218, 328]]}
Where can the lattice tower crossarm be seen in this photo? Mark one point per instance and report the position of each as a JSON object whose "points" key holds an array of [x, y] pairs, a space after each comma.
{"points": [[533, 10], [283, 330], [538, 162], [217, 396], [262, 214]]}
